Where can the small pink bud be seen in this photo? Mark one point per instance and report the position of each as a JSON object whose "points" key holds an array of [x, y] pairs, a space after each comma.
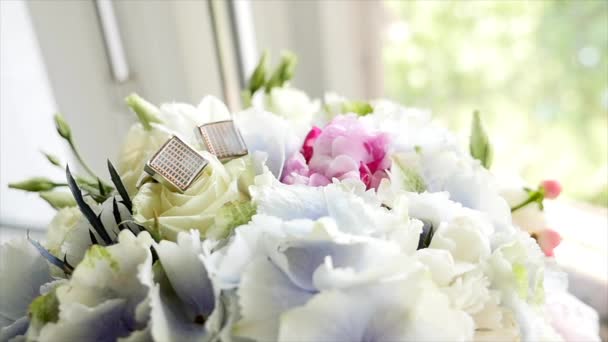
{"points": [[548, 239], [551, 187]]}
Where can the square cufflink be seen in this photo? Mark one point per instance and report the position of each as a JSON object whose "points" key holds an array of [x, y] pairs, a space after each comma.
{"points": [[176, 165], [222, 139]]}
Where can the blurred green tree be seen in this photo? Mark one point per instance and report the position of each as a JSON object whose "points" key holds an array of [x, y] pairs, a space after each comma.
{"points": [[536, 70]]}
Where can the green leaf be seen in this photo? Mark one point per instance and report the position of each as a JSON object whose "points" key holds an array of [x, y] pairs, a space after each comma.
{"points": [[45, 309], [258, 77], [35, 184], [120, 187], [479, 145], [360, 108], [58, 199], [147, 113], [95, 188], [63, 129], [86, 210], [63, 265], [284, 72]]}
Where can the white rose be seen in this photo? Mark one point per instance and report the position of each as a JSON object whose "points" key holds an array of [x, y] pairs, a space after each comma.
{"points": [[177, 119], [167, 213]]}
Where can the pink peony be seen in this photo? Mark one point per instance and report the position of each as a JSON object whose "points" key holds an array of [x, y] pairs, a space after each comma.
{"points": [[345, 148]]}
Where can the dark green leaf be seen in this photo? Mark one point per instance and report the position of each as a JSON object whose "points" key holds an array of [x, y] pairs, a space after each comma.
{"points": [[102, 191], [93, 188], [86, 209], [50, 257], [120, 187], [92, 237], [426, 236]]}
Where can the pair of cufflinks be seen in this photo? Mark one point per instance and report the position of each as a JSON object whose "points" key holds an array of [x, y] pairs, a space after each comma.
{"points": [[177, 165]]}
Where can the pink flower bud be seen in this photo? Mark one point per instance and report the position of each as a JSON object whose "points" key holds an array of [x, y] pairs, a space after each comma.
{"points": [[551, 187], [548, 239]]}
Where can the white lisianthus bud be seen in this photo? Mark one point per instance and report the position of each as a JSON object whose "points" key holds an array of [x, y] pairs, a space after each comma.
{"points": [[63, 129], [58, 199], [146, 112], [53, 159], [35, 184], [479, 145], [258, 77], [284, 72]]}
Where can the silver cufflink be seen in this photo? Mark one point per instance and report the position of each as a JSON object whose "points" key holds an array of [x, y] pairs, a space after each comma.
{"points": [[175, 165], [222, 139]]}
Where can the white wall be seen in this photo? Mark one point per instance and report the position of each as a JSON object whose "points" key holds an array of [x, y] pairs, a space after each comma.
{"points": [[336, 42], [26, 109], [53, 58]]}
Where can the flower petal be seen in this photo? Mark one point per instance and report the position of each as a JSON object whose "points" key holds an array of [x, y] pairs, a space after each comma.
{"points": [[23, 272], [265, 293], [186, 272]]}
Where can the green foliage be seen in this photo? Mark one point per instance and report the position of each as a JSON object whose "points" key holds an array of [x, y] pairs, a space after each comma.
{"points": [[360, 108], [258, 77], [479, 143], [542, 84], [45, 309], [284, 72]]}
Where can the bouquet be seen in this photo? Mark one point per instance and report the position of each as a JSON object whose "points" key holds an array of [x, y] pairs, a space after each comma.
{"points": [[292, 220]]}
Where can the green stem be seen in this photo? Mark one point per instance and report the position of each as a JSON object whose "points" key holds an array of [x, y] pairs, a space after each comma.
{"points": [[535, 196], [81, 160]]}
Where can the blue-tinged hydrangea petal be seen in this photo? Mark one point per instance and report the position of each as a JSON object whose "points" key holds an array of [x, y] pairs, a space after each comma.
{"points": [[407, 309], [265, 293], [23, 272], [268, 133], [14, 330], [78, 322], [186, 272]]}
